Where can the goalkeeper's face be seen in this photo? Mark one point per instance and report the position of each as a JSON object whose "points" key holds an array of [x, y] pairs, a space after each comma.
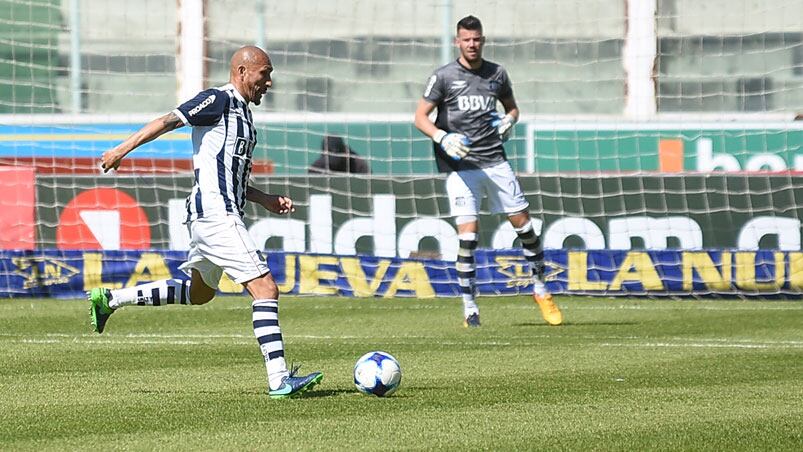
{"points": [[470, 43]]}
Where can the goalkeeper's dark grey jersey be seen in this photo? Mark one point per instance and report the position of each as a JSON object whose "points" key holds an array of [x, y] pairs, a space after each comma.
{"points": [[465, 100]]}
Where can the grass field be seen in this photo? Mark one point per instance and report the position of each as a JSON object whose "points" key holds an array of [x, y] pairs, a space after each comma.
{"points": [[619, 375]]}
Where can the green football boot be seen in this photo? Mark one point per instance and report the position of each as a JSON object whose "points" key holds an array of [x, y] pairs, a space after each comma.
{"points": [[99, 310]]}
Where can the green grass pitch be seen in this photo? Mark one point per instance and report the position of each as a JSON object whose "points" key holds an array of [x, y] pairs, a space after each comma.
{"points": [[620, 374]]}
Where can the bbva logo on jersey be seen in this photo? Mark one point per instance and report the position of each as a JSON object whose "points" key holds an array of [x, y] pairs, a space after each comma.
{"points": [[207, 102], [244, 148], [475, 103]]}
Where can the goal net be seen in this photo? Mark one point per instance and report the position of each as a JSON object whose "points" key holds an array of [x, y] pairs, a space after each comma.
{"points": [[657, 144]]}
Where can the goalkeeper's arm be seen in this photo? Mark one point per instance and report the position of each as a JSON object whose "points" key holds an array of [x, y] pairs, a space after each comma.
{"points": [[454, 144], [504, 125], [111, 159], [422, 121]]}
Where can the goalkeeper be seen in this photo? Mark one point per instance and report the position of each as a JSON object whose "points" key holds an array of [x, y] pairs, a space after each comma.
{"points": [[468, 133]]}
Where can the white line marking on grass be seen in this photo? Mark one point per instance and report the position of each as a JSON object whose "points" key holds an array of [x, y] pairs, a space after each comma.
{"points": [[732, 340], [506, 340], [429, 341], [703, 345], [166, 341], [679, 306], [108, 342], [249, 337]]}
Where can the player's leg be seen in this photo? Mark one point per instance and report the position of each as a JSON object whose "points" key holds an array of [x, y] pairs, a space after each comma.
{"points": [[534, 253], [464, 205], [466, 266], [104, 301], [265, 316], [531, 244], [506, 196], [233, 250]]}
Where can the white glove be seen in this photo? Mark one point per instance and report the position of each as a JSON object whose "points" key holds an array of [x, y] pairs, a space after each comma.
{"points": [[503, 124], [456, 145]]}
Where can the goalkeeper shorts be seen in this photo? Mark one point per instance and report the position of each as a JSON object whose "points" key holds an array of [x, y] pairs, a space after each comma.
{"points": [[467, 188]]}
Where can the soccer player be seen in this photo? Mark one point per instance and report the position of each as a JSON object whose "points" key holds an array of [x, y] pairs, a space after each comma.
{"points": [[468, 133], [223, 139]]}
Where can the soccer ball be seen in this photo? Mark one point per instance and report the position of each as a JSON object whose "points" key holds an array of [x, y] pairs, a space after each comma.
{"points": [[377, 373]]}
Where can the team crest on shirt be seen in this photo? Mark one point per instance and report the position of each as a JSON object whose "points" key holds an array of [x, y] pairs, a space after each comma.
{"points": [[493, 85]]}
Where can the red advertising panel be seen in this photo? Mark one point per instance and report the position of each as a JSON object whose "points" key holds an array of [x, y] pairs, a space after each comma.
{"points": [[103, 219], [17, 208]]}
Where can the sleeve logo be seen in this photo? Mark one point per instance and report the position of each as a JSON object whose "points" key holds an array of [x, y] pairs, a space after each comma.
{"points": [[430, 84], [207, 102]]}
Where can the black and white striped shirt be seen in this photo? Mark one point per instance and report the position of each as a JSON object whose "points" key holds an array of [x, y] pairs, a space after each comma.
{"points": [[223, 140]]}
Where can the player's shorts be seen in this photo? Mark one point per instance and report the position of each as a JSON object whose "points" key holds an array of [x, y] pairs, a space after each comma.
{"points": [[219, 244], [467, 188]]}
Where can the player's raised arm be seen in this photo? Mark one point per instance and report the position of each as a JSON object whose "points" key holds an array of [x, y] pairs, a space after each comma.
{"points": [[111, 159]]}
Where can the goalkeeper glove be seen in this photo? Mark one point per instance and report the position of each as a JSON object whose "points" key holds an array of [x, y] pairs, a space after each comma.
{"points": [[503, 124], [454, 144]]}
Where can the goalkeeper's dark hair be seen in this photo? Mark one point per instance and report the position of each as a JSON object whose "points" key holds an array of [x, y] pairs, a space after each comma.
{"points": [[469, 23]]}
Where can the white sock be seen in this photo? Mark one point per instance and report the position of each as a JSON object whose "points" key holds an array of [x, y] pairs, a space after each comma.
{"points": [[265, 315], [469, 305], [539, 288], [156, 293], [467, 272]]}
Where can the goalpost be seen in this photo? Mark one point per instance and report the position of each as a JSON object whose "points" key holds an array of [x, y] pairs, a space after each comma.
{"points": [[657, 137]]}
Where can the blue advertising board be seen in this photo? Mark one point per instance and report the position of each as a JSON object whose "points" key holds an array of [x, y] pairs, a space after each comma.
{"points": [[69, 274]]}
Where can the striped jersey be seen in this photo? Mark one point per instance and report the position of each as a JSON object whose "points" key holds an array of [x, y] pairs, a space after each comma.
{"points": [[223, 140]]}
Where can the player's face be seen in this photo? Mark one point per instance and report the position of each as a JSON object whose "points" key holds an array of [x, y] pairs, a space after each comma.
{"points": [[470, 43], [257, 81]]}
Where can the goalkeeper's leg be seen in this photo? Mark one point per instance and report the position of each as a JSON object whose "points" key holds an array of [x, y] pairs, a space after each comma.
{"points": [[534, 253], [466, 277], [464, 190]]}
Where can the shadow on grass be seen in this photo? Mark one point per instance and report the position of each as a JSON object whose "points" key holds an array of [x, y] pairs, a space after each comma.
{"points": [[222, 391], [320, 393], [573, 324], [312, 393]]}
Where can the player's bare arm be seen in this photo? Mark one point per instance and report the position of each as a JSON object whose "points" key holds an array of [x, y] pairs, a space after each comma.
{"points": [[504, 125], [454, 144], [422, 121], [274, 203], [111, 159], [511, 108]]}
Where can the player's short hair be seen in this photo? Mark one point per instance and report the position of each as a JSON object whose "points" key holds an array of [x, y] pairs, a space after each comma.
{"points": [[469, 23]]}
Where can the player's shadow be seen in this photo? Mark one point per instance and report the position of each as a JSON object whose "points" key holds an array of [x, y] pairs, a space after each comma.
{"points": [[573, 324], [320, 393], [314, 393], [209, 392]]}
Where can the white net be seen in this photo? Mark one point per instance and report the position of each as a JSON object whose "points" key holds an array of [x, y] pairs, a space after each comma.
{"points": [[724, 56], [723, 80]]}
